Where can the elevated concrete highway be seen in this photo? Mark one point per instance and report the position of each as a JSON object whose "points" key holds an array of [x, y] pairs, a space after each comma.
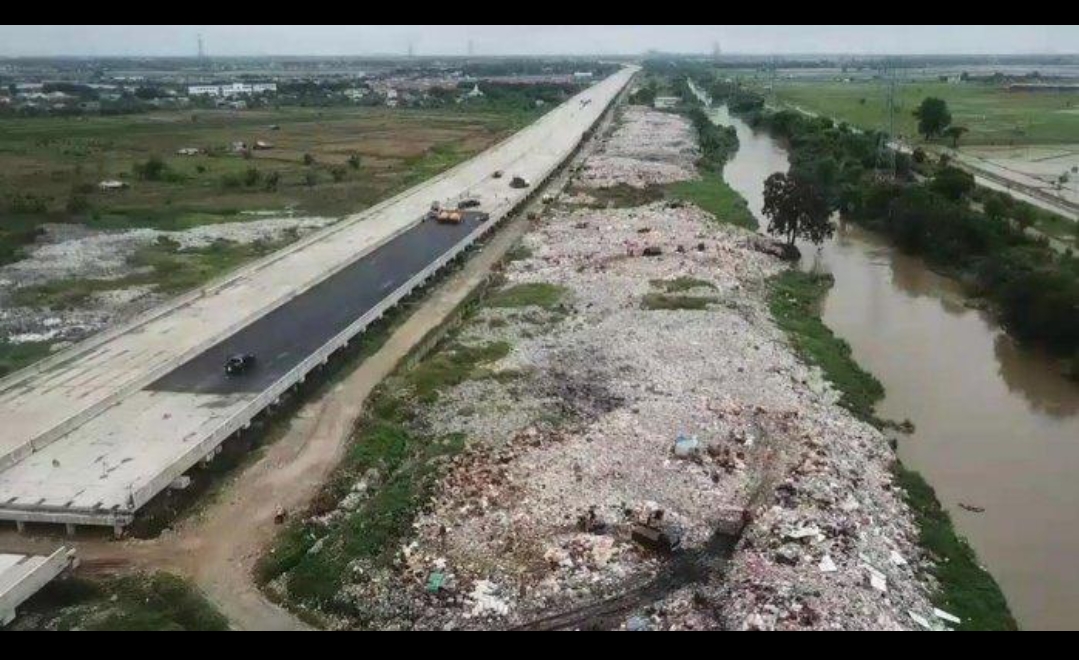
{"points": [[94, 433]]}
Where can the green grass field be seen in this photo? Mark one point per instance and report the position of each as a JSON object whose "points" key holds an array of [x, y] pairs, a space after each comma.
{"points": [[50, 167], [993, 114]]}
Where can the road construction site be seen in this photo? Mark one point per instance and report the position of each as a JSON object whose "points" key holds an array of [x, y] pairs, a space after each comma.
{"points": [[92, 434]]}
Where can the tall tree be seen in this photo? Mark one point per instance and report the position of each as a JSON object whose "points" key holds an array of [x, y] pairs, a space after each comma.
{"points": [[933, 117], [956, 132], [796, 209]]}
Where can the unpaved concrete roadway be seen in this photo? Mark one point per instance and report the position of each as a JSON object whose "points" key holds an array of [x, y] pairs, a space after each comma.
{"points": [[218, 547]]}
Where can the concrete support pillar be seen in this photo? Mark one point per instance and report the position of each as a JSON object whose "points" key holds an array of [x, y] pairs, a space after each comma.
{"points": [[118, 531], [20, 526], [70, 529]]}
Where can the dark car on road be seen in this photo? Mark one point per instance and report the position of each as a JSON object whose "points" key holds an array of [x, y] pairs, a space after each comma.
{"points": [[238, 365]]}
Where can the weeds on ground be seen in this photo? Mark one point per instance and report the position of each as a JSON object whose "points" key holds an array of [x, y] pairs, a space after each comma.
{"points": [[16, 356], [794, 300], [143, 601], [654, 301], [966, 589], [713, 195], [539, 294], [681, 284]]}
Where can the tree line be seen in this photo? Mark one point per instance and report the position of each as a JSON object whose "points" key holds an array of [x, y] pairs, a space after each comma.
{"points": [[1034, 287]]}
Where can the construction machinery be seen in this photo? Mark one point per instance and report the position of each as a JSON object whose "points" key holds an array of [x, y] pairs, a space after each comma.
{"points": [[455, 216]]}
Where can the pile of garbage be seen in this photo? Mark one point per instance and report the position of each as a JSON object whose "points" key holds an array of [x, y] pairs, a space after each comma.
{"points": [[647, 148], [650, 454]]}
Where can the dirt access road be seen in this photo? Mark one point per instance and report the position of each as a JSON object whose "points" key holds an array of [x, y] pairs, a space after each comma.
{"points": [[218, 546]]}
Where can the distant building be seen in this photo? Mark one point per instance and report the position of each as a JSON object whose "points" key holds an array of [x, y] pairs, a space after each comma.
{"points": [[474, 92], [188, 151], [231, 89], [204, 90], [582, 75], [664, 102], [111, 184]]}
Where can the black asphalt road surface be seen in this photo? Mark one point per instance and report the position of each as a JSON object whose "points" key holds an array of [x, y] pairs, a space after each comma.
{"points": [[286, 336]]}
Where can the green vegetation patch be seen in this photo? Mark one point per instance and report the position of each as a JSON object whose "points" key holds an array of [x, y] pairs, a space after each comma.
{"points": [[680, 284], [519, 252], [966, 589], [794, 300], [16, 356], [156, 601], [666, 301], [712, 194], [538, 294], [623, 196], [452, 366]]}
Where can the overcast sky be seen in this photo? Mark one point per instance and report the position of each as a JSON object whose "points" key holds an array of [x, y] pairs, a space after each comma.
{"points": [[44, 40]]}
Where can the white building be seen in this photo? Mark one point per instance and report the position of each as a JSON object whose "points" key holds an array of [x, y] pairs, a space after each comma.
{"points": [[231, 89], [204, 90]]}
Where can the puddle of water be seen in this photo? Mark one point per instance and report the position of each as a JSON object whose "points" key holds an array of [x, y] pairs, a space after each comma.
{"points": [[997, 427]]}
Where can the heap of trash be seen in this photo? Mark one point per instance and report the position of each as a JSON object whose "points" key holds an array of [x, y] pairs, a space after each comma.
{"points": [[647, 148], [650, 454]]}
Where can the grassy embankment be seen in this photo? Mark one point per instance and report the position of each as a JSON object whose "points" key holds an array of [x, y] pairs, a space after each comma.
{"points": [[399, 460], [966, 589], [139, 602]]}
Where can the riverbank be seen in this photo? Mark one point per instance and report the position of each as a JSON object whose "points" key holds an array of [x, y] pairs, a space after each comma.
{"points": [[965, 587]]}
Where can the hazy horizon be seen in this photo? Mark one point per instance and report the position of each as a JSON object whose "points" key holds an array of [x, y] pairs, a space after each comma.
{"points": [[534, 40]]}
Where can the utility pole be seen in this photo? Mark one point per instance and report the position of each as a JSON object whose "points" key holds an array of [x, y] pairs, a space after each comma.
{"points": [[775, 79], [887, 154]]}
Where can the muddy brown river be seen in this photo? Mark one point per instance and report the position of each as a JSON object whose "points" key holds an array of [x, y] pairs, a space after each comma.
{"points": [[997, 427]]}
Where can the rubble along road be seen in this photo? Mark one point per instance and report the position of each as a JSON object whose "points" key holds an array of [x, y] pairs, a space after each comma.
{"points": [[636, 406]]}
